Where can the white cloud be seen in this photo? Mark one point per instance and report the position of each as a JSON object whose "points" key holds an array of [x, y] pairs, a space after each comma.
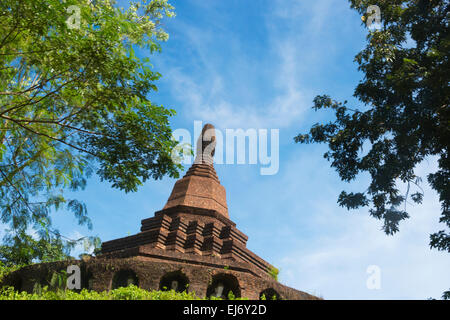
{"points": [[301, 44], [210, 93], [323, 249], [79, 247], [207, 102], [332, 262]]}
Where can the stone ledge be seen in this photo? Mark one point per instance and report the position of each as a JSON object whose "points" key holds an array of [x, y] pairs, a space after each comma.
{"points": [[149, 273]]}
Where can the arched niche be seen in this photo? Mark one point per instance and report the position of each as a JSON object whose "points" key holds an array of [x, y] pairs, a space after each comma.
{"points": [[87, 279], [17, 283], [175, 280], [39, 282], [269, 294], [124, 278], [222, 284]]}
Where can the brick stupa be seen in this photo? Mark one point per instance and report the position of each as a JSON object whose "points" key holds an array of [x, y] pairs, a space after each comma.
{"points": [[191, 244]]}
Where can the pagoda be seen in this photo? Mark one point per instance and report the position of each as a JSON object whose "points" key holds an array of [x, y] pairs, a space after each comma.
{"points": [[191, 244]]}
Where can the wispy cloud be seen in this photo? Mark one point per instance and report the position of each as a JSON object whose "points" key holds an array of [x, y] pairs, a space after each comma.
{"points": [[238, 68], [240, 90], [332, 258], [227, 84], [208, 102]]}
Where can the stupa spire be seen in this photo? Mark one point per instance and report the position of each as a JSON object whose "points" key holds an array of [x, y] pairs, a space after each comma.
{"points": [[200, 187], [206, 145]]}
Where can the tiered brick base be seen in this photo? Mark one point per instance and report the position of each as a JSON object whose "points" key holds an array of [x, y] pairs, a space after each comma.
{"points": [[200, 244], [196, 233], [150, 269], [191, 241]]}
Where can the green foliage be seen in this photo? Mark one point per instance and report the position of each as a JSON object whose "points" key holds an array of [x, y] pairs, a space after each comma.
{"points": [[125, 293], [58, 280], [5, 269], [405, 114], [407, 117], [21, 249], [273, 272], [229, 296], [75, 101], [446, 295], [263, 297]]}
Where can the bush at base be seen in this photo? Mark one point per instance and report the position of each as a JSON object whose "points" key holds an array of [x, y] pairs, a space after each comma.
{"points": [[131, 292]]}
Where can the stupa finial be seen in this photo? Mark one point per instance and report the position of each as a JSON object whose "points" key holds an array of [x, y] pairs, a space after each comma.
{"points": [[206, 145], [200, 187]]}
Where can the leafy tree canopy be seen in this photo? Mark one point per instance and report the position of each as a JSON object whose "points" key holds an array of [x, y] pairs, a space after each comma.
{"points": [[131, 292], [74, 100], [404, 117]]}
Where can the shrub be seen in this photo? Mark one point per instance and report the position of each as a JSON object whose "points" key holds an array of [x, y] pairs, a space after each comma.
{"points": [[131, 292], [273, 272]]}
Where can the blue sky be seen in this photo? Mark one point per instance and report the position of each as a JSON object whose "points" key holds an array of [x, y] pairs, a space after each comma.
{"points": [[259, 64]]}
